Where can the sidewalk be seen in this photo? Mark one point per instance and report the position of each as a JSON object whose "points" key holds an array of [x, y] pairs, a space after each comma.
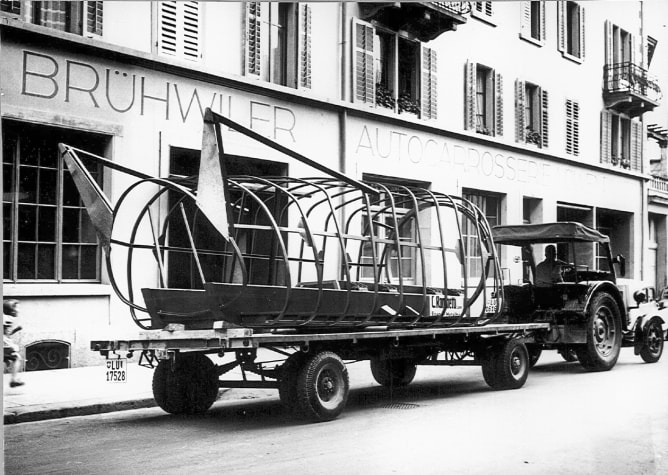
{"points": [[83, 391]]}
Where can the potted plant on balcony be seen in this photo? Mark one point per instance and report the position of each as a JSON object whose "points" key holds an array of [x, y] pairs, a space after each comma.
{"points": [[532, 136], [615, 159], [408, 105], [625, 162], [384, 97]]}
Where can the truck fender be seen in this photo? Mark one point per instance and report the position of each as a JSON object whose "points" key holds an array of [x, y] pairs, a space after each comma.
{"points": [[610, 288], [642, 326]]}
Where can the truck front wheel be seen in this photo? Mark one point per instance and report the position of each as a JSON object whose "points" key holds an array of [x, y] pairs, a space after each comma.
{"points": [[322, 386], [506, 365], [652, 346], [189, 387], [604, 335], [399, 372]]}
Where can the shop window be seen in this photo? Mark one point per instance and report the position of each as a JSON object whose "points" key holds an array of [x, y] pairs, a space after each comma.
{"points": [[532, 27], [621, 141], [277, 38], [179, 30], [47, 235], [81, 18], [46, 355], [572, 128], [571, 28], [483, 11], [483, 108], [618, 226], [394, 72], [490, 205], [531, 114]]}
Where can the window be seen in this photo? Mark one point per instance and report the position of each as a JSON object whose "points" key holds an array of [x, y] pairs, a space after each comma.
{"points": [[571, 28], [81, 18], [621, 141], [533, 22], [179, 30], [483, 109], [278, 43], [394, 72], [572, 127], [531, 114], [483, 11], [47, 234], [490, 205], [620, 48]]}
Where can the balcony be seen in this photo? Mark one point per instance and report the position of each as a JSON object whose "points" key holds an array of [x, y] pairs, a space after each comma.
{"points": [[423, 20], [658, 191], [629, 89]]}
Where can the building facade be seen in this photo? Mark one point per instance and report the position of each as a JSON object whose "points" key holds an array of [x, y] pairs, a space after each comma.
{"points": [[532, 110]]}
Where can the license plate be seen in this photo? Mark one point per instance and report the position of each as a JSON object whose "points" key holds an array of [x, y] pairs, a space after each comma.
{"points": [[117, 370]]}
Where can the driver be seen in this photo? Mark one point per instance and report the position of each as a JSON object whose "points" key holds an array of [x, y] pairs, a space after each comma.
{"points": [[548, 272]]}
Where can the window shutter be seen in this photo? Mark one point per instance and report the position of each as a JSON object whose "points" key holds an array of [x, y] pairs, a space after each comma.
{"points": [[544, 115], [606, 137], [253, 39], [305, 45], [608, 42], [572, 127], [561, 26], [179, 29], [363, 77], [94, 18], [520, 103], [542, 22], [470, 99], [429, 103], [581, 11], [634, 48], [636, 145], [498, 97], [525, 20]]}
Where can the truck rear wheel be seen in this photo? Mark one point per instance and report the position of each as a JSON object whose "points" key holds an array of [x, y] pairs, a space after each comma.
{"points": [[399, 372], [506, 365], [652, 346], [604, 335], [191, 387], [322, 386]]}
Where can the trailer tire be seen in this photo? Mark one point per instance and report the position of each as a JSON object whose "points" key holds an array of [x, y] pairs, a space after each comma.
{"points": [[506, 365], [652, 345], [604, 335], [287, 382], [190, 388], [322, 386], [389, 373]]}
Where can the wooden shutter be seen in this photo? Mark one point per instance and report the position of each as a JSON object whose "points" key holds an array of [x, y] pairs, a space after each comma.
{"points": [[636, 145], [498, 102], [429, 84], [581, 12], [606, 137], [253, 39], [542, 22], [525, 20], [544, 116], [94, 12], [179, 29], [572, 127], [609, 58], [363, 76], [470, 92], [561, 26], [520, 104], [304, 20]]}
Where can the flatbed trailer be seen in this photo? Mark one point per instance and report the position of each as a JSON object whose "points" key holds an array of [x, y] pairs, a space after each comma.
{"points": [[311, 375]]}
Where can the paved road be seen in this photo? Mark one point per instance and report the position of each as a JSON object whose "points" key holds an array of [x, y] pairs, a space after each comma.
{"points": [[563, 421]]}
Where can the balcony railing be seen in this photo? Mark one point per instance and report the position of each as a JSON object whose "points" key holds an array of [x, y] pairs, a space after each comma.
{"points": [[659, 184], [629, 88], [424, 20]]}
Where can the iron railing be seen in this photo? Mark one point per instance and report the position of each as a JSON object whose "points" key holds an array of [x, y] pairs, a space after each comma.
{"points": [[631, 78], [458, 8]]}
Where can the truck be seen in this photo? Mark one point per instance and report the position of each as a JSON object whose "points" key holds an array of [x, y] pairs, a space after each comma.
{"points": [[314, 271]]}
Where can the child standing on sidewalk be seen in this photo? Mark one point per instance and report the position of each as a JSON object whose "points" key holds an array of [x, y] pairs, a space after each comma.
{"points": [[12, 356]]}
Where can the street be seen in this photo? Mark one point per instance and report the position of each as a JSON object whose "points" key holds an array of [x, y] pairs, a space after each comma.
{"points": [[563, 420]]}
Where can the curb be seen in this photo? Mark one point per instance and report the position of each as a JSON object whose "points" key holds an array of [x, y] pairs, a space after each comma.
{"points": [[19, 416]]}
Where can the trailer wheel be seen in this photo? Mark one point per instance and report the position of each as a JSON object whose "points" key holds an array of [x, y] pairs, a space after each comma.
{"points": [[287, 382], [534, 354], [191, 387], [393, 372], [506, 365], [652, 346], [604, 335], [322, 386]]}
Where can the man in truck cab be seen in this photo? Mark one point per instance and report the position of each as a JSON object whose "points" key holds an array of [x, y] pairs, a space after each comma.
{"points": [[548, 272]]}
